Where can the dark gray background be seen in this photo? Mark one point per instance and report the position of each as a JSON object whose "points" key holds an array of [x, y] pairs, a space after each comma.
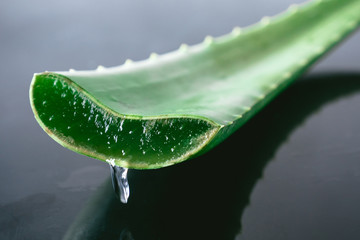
{"points": [[308, 186]]}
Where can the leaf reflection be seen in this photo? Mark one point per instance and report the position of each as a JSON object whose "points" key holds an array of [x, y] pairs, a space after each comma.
{"points": [[204, 198]]}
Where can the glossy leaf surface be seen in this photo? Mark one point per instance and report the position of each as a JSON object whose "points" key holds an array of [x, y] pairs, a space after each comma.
{"points": [[170, 108]]}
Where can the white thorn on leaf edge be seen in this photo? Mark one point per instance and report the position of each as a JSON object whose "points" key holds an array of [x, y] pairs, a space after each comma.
{"points": [[128, 61], [153, 56], [100, 68], [293, 8], [183, 47], [287, 75], [236, 31], [208, 40], [265, 20]]}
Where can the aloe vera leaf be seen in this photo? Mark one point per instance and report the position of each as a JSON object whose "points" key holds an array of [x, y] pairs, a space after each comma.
{"points": [[170, 108]]}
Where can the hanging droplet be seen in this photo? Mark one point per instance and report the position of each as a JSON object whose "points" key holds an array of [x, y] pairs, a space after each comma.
{"points": [[119, 181]]}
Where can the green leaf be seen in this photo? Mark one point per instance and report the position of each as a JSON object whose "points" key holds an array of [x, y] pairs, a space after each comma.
{"points": [[170, 108]]}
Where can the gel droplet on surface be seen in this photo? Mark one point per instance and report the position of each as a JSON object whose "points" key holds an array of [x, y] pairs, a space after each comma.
{"points": [[119, 181]]}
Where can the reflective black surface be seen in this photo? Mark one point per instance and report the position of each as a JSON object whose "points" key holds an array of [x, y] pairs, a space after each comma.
{"points": [[262, 183], [292, 172]]}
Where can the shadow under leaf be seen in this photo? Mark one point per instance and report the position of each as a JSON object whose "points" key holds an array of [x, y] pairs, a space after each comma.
{"points": [[204, 198]]}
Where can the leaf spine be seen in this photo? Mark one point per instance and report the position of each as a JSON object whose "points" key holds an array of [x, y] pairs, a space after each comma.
{"points": [[352, 24], [208, 40], [287, 75], [319, 50], [265, 20], [303, 62], [273, 86], [153, 56], [100, 68], [261, 96], [293, 8], [183, 47], [128, 62], [236, 31]]}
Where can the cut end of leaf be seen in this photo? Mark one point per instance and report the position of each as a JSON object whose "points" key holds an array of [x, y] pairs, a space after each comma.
{"points": [[79, 122]]}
